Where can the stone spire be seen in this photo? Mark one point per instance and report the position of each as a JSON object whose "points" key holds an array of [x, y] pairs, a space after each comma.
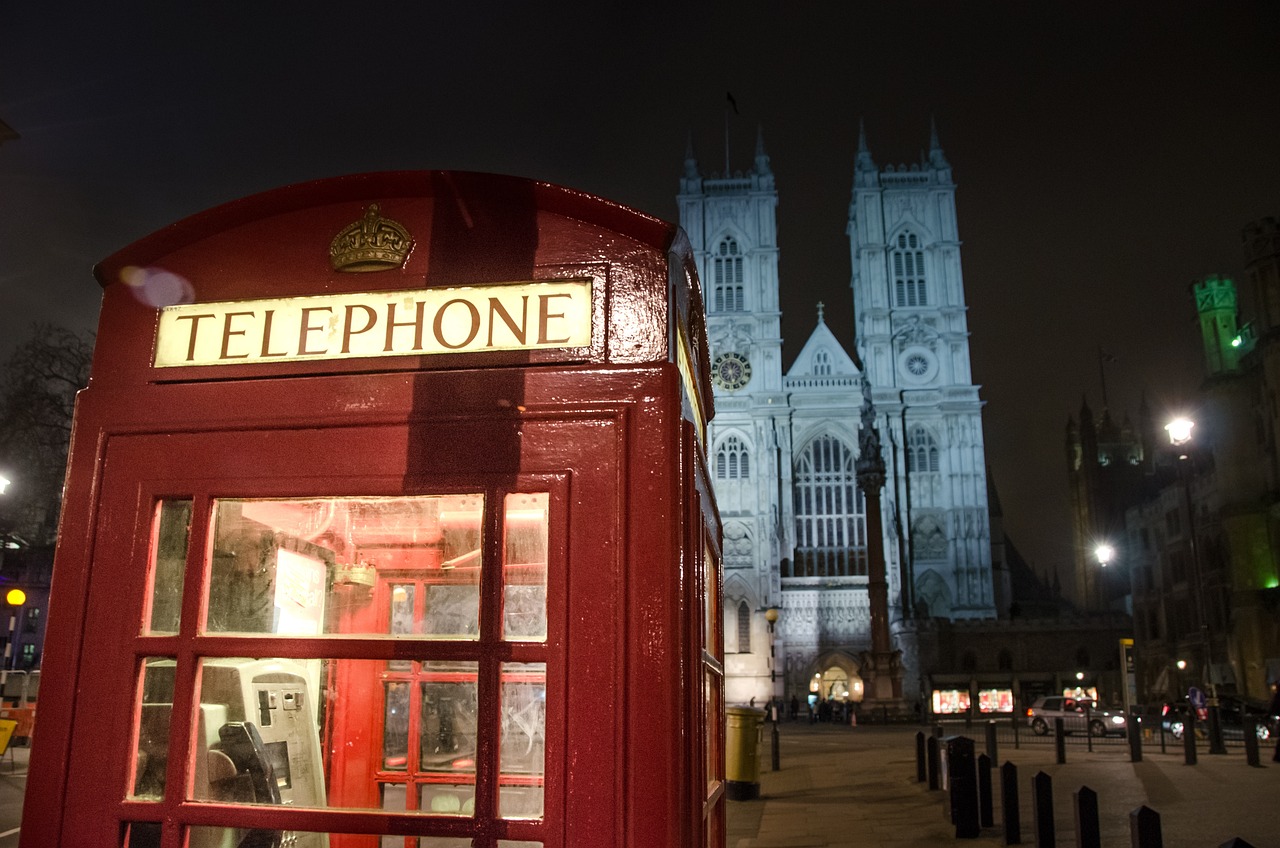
{"points": [[937, 159], [762, 158], [690, 160], [864, 162]]}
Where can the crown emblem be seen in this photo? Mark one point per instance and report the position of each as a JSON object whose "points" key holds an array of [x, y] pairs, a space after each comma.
{"points": [[373, 243]]}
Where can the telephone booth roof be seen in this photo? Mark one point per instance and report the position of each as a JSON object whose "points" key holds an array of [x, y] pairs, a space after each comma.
{"points": [[462, 229]]}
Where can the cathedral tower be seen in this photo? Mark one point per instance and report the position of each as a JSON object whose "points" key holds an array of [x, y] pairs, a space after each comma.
{"points": [[730, 221], [913, 340]]}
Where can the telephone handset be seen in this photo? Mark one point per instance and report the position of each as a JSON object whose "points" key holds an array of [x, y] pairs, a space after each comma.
{"points": [[241, 771]]}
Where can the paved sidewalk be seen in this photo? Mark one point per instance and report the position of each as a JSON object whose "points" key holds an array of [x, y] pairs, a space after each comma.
{"points": [[841, 786]]}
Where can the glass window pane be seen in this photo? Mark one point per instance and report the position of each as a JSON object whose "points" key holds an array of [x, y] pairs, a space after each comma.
{"points": [[334, 733], [153, 728], [143, 835], [355, 566], [522, 754], [447, 737], [524, 607], [172, 534]]}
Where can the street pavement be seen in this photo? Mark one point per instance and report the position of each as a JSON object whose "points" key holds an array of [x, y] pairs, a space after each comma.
{"points": [[13, 786], [856, 786]]}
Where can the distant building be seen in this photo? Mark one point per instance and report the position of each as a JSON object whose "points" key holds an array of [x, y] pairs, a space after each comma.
{"points": [[1205, 542]]}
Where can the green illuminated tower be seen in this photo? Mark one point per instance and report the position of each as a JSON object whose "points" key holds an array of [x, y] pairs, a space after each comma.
{"points": [[1216, 305]]}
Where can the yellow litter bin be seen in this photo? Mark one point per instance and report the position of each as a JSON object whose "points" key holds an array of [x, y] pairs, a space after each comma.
{"points": [[742, 752]]}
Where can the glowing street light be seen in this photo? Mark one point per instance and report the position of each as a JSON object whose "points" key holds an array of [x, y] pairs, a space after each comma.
{"points": [[4, 483], [1105, 554], [1179, 430]]}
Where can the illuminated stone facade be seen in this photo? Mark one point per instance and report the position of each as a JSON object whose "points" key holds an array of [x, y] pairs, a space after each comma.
{"points": [[783, 443]]}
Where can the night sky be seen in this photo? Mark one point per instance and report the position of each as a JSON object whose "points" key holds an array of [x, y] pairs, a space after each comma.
{"points": [[1106, 154]]}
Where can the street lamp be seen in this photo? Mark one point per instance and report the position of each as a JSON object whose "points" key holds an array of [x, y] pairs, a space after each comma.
{"points": [[1105, 553], [15, 598], [1179, 430], [771, 616]]}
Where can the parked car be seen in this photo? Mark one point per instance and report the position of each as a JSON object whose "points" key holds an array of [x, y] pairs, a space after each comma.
{"points": [[1233, 712], [1078, 715]]}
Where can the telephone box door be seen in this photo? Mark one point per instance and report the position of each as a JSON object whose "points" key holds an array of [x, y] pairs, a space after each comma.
{"points": [[312, 628]]}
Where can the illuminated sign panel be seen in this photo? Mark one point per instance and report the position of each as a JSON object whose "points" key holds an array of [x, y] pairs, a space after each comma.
{"points": [[514, 316]]}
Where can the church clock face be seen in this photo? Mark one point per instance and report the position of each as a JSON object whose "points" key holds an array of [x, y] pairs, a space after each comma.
{"points": [[731, 371]]}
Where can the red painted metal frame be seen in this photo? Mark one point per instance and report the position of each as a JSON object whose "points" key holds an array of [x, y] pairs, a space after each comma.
{"points": [[612, 423]]}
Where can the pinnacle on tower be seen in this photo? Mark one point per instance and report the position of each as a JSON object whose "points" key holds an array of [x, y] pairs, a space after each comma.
{"points": [[762, 158], [936, 157], [864, 162], [690, 160]]}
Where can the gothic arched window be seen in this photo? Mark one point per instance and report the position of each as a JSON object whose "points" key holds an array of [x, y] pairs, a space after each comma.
{"points": [[732, 460], [831, 521], [822, 363], [922, 451], [908, 272], [744, 628], [726, 278]]}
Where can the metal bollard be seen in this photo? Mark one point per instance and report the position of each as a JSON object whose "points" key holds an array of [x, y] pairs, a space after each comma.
{"points": [[1088, 726], [1144, 828], [986, 805], [922, 769], [962, 787], [1235, 842], [1251, 742], [1088, 830], [1189, 738], [933, 762], [1009, 804], [1042, 808], [774, 753], [991, 740], [1134, 732], [1060, 740]]}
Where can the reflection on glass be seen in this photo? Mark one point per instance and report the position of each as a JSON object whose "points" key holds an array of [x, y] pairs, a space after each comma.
{"points": [[522, 743], [395, 728], [171, 536], [711, 607], [153, 728], [524, 605], [305, 567]]}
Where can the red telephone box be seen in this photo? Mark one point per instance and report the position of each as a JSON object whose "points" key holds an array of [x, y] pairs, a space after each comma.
{"points": [[387, 523]]}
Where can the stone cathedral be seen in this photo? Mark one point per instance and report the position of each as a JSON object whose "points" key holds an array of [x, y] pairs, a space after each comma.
{"points": [[783, 443]]}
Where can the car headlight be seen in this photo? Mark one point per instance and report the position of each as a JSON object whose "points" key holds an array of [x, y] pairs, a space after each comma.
{"points": [[1117, 719]]}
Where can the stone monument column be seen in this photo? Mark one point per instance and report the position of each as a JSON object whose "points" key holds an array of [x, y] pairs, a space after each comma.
{"points": [[882, 665]]}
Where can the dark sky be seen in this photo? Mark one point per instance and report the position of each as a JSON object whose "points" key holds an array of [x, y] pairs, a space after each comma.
{"points": [[1106, 154]]}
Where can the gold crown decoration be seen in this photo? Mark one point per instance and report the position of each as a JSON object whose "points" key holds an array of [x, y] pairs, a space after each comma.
{"points": [[373, 243]]}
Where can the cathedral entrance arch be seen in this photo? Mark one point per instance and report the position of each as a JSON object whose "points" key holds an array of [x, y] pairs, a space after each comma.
{"points": [[834, 676]]}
